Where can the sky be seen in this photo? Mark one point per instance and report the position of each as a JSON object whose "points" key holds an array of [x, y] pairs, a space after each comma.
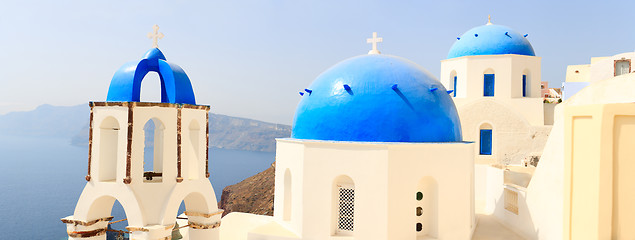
{"points": [[251, 58]]}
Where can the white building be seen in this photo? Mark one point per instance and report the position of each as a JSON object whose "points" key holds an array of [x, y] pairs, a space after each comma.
{"points": [[376, 153], [495, 78], [148, 156], [600, 68]]}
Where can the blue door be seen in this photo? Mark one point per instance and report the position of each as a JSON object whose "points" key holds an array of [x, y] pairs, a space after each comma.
{"points": [[488, 85], [524, 85], [486, 142], [454, 87]]}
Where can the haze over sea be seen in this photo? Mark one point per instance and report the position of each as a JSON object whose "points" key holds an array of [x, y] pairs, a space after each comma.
{"points": [[41, 179]]}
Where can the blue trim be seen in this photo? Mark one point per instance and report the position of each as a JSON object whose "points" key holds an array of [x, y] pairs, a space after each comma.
{"points": [[176, 87], [488, 85], [524, 85], [454, 88], [486, 142]]}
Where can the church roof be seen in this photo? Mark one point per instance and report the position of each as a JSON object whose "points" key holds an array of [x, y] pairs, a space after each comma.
{"points": [[491, 39], [125, 86], [376, 98]]}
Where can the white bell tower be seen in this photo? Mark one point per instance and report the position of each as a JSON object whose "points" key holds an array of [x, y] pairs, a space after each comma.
{"points": [[148, 156]]}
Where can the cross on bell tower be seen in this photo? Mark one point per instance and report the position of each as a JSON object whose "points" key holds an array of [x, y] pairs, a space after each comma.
{"points": [[155, 36], [374, 42]]}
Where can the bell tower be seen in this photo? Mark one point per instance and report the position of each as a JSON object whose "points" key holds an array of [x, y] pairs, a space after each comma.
{"points": [[148, 156]]}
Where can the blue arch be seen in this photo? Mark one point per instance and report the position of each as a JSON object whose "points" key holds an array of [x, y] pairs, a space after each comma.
{"points": [[175, 85]]}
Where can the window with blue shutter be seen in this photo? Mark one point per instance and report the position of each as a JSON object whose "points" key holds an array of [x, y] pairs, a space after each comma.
{"points": [[486, 142], [524, 85], [454, 93], [488, 85]]}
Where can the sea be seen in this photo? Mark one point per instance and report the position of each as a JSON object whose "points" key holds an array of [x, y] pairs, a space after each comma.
{"points": [[41, 179]]}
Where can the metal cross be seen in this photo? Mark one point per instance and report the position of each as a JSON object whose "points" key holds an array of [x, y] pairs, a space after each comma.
{"points": [[374, 41], [155, 36], [489, 19]]}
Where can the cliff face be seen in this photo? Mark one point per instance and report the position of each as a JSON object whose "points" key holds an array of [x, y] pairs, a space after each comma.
{"points": [[244, 134], [252, 195]]}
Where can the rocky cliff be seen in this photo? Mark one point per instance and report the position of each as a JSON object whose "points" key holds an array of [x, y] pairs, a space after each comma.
{"points": [[252, 195]]}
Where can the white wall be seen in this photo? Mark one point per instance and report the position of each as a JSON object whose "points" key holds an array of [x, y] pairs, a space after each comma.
{"points": [[508, 80], [578, 73], [513, 138], [605, 68], [386, 176]]}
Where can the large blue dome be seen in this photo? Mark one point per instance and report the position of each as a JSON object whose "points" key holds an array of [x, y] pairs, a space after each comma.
{"points": [[491, 40], [377, 98]]}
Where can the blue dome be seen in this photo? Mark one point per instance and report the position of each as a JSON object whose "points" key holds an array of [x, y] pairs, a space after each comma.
{"points": [[377, 98], [491, 40], [176, 87]]}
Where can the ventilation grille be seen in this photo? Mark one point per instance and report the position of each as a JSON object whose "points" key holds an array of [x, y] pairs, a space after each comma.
{"points": [[511, 201], [347, 207]]}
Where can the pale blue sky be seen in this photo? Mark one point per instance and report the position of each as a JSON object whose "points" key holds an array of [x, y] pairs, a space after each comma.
{"points": [[250, 58]]}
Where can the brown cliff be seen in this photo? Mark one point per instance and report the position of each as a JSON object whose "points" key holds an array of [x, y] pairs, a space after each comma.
{"points": [[252, 195]]}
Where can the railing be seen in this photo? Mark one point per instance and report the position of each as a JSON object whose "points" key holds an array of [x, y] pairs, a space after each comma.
{"points": [[150, 175]]}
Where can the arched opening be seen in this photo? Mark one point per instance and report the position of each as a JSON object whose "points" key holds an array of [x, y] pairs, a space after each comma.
{"points": [[151, 87], [107, 206], [526, 84], [193, 158], [343, 211], [427, 213], [116, 230], [453, 81], [287, 195], [108, 145], [194, 203], [488, 83], [485, 139], [153, 151]]}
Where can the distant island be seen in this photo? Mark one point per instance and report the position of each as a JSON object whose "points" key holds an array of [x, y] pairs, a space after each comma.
{"points": [[60, 121]]}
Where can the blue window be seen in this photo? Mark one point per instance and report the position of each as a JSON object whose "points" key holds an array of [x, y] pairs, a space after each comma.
{"points": [[454, 93], [488, 85], [486, 142], [524, 85]]}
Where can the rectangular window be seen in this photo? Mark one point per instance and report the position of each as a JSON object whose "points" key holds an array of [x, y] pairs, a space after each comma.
{"points": [[486, 142], [488, 85], [622, 67], [454, 93], [524, 85], [346, 209]]}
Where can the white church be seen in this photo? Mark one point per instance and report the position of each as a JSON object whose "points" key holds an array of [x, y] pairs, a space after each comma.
{"points": [[380, 149]]}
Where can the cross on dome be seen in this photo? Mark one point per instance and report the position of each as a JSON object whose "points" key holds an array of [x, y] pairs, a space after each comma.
{"points": [[374, 42], [489, 20], [155, 36]]}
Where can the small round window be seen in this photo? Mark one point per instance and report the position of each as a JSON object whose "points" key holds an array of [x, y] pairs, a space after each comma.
{"points": [[419, 196]]}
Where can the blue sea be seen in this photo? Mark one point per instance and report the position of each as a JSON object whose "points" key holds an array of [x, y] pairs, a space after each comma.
{"points": [[41, 179]]}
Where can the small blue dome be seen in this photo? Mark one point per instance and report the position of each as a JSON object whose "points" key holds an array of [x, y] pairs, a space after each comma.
{"points": [[491, 40], [176, 87], [377, 98]]}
